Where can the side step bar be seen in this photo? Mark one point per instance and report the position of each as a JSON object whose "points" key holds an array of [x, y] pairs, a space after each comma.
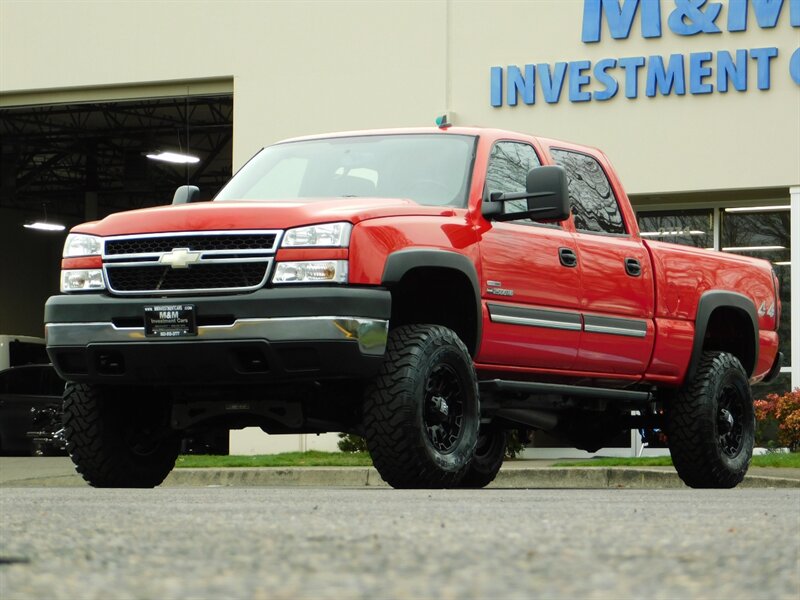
{"points": [[576, 391]]}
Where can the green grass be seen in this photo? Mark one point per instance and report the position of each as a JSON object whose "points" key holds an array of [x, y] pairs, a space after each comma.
{"points": [[362, 459], [287, 459], [777, 460]]}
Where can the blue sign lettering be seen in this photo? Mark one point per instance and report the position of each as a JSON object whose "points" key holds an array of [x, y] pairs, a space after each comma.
{"points": [[763, 56], [665, 79], [601, 75], [496, 85], [577, 80], [663, 75], [518, 83], [794, 66], [620, 18], [689, 19], [552, 83], [767, 13], [698, 72], [732, 71], [631, 66]]}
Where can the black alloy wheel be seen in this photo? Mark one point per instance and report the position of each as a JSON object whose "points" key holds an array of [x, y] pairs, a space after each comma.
{"points": [[421, 414], [444, 408], [711, 424]]}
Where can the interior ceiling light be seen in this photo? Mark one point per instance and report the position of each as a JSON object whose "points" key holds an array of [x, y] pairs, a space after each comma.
{"points": [[757, 209], [670, 233], [174, 157], [752, 248], [44, 226]]}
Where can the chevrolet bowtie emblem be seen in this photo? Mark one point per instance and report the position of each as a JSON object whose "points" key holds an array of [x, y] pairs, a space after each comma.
{"points": [[179, 258]]}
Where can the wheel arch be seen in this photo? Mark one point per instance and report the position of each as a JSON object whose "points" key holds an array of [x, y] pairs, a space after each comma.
{"points": [[725, 321], [409, 274]]}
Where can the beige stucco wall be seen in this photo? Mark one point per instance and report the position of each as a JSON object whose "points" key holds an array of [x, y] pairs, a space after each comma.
{"points": [[306, 67]]}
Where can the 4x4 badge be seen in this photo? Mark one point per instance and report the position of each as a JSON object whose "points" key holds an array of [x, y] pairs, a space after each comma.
{"points": [[179, 258]]}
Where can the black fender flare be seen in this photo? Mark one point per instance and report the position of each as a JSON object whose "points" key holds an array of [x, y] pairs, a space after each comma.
{"points": [[709, 302], [402, 261]]}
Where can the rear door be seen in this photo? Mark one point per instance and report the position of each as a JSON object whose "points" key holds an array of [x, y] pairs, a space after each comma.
{"points": [[531, 295], [616, 275]]}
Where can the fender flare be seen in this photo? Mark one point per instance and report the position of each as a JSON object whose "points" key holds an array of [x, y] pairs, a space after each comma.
{"points": [[399, 263], [709, 302]]}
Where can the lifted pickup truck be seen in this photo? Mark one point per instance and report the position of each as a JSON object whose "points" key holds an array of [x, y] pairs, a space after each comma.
{"points": [[429, 289]]}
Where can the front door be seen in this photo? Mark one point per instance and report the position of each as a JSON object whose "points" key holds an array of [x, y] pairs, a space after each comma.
{"points": [[531, 284]]}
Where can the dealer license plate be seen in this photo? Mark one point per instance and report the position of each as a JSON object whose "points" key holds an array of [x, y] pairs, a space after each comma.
{"points": [[170, 320]]}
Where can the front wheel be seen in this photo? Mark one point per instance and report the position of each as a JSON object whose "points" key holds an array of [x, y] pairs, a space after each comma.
{"points": [[421, 414], [711, 424], [120, 441]]}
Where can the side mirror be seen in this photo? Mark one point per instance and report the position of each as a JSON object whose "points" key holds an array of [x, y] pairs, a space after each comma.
{"points": [[186, 194], [546, 191]]}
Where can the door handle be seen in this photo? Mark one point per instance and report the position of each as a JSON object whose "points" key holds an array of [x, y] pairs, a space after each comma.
{"points": [[567, 257], [633, 267]]}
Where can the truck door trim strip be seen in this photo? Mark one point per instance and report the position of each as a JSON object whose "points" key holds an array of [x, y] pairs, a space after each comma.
{"points": [[614, 326], [570, 321], [549, 319]]}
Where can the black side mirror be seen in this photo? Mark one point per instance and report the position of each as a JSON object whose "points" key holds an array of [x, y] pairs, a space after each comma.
{"points": [[546, 191], [186, 194]]}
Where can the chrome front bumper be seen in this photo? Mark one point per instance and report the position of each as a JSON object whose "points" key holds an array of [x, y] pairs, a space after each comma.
{"points": [[371, 334]]}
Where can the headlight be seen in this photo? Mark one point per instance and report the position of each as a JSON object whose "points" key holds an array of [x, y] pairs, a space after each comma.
{"points": [[74, 280], [78, 244], [331, 235], [318, 271]]}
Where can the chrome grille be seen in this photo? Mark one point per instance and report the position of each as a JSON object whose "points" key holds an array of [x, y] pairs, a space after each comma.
{"points": [[220, 262], [152, 245], [200, 277]]}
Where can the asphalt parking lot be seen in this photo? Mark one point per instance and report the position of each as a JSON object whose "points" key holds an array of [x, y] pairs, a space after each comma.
{"points": [[81, 543]]}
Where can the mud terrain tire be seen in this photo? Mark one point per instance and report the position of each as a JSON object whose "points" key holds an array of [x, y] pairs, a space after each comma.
{"points": [[421, 413], [711, 424], [118, 442]]}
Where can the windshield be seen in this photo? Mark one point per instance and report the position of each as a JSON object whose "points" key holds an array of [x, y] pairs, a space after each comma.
{"points": [[431, 169]]}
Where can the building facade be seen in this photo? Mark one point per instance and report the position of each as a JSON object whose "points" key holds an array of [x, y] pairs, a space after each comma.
{"points": [[697, 104]]}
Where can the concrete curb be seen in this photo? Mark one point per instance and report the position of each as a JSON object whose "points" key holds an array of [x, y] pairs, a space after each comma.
{"points": [[521, 478], [360, 477]]}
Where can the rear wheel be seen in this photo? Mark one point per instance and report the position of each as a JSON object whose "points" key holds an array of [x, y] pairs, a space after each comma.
{"points": [[711, 424], [421, 414], [487, 460], [118, 441]]}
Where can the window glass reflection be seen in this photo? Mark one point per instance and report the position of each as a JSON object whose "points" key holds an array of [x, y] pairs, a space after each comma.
{"points": [[685, 227]]}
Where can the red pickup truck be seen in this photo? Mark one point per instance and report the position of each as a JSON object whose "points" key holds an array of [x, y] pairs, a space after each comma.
{"points": [[429, 289]]}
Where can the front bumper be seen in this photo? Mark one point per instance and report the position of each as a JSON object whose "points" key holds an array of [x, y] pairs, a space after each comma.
{"points": [[268, 335]]}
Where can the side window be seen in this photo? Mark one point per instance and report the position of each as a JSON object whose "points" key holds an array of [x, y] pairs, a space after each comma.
{"points": [[508, 168], [593, 203]]}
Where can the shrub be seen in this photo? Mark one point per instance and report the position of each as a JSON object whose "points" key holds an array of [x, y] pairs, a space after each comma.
{"points": [[350, 442], [785, 410]]}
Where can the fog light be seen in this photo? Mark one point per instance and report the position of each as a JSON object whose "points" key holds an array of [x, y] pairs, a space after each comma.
{"points": [[321, 271], [82, 279]]}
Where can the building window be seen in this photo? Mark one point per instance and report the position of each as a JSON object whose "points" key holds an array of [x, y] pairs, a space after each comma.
{"points": [[763, 234], [685, 227]]}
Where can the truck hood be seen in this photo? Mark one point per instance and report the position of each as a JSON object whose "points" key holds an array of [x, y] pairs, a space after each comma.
{"points": [[252, 214]]}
